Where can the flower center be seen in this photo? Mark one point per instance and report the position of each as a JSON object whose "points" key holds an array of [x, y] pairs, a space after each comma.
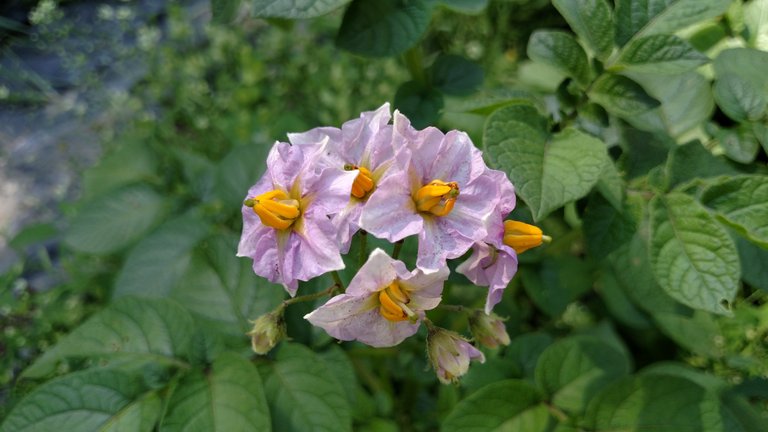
{"points": [[363, 182], [393, 301], [275, 209], [521, 236], [436, 197]]}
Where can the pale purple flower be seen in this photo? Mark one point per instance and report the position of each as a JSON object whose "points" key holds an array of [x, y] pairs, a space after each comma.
{"points": [[299, 246], [407, 202], [383, 303], [492, 263], [450, 354], [362, 145]]}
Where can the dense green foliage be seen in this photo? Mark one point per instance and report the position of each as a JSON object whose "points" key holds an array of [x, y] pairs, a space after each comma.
{"points": [[634, 132]]}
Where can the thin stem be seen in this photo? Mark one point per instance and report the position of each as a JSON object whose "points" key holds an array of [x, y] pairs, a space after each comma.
{"points": [[337, 279], [557, 412], [310, 297], [396, 250], [363, 247], [415, 63], [453, 308]]}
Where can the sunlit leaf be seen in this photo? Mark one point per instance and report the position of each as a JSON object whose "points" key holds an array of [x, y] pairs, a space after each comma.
{"points": [[693, 257], [135, 328], [592, 21], [93, 400], [228, 397]]}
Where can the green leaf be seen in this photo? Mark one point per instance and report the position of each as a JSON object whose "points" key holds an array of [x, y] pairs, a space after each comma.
{"points": [[694, 330], [644, 151], [573, 370], [229, 397], [135, 328], [33, 234], [746, 63], [671, 403], [761, 133], [222, 290], [660, 54], [753, 268], [611, 184], [741, 202], [238, 171], [224, 11], [223, 306], [338, 364], [455, 75], [131, 163], [114, 221], [756, 21], [592, 21], [637, 18], [740, 143], [690, 161], [619, 304], [525, 350], [561, 51], [738, 98], [686, 102], [156, 263], [558, 282], [621, 96], [693, 257], [493, 370], [632, 268], [503, 406], [92, 400], [294, 9], [302, 395], [385, 27], [421, 105], [548, 171], [469, 7], [605, 227]]}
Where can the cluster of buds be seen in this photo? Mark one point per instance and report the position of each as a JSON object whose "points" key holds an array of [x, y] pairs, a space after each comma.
{"points": [[392, 181]]}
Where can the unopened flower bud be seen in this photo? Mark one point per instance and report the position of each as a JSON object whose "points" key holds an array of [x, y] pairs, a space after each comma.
{"points": [[450, 354], [488, 330], [268, 330]]}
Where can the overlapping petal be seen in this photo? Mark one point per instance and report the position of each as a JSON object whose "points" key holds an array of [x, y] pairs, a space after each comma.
{"points": [[355, 314], [309, 248]]}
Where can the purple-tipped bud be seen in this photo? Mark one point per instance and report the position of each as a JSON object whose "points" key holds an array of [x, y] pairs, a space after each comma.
{"points": [[450, 354], [268, 330], [488, 330]]}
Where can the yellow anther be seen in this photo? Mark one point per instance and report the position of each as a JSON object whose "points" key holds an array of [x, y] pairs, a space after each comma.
{"points": [[521, 236], [397, 293], [275, 209], [363, 182], [389, 309], [436, 197]]}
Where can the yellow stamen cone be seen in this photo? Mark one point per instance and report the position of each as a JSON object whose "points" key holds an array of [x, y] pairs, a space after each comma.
{"points": [[437, 197], [275, 209], [521, 236]]}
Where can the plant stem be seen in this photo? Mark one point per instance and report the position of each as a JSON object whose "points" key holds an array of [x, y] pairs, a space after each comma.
{"points": [[453, 308], [337, 280], [415, 63], [310, 297], [396, 250]]}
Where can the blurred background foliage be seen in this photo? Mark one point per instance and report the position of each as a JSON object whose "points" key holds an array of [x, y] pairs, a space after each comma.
{"points": [[634, 131]]}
